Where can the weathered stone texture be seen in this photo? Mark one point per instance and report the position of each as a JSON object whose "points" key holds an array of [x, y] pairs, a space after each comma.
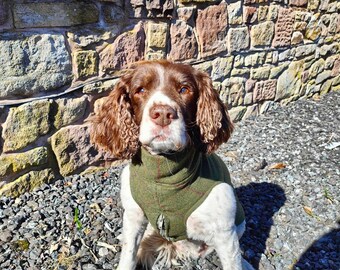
{"points": [[32, 64], [25, 124], [186, 13], [283, 28], [126, 49], [183, 42], [235, 13], [14, 163], [86, 64], [54, 14], [212, 29], [113, 13], [262, 34], [238, 39], [249, 14], [221, 67], [73, 150], [264, 90], [69, 111], [3, 12], [313, 4], [27, 182], [261, 73], [298, 3], [289, 81]]}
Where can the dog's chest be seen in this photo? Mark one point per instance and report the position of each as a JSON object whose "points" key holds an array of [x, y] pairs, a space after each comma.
{"points": [[170, 188]]}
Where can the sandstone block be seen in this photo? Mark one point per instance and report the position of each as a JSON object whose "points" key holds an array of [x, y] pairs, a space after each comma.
{"points": [[212, 29], [25, 124], [69, 111], [266, 106], [86, 64], [221, 67], [283, 28], [156, 41], [235, 13], [264, 90], [275, 72], [261, 73], [160, 8], [183, 41], [54, 14], [240, 72], [336, 68], [238, 39], [14, 163], [252, 111], [300, 26], [3, 13], [99, 87], [126, 49], [204, 66], [262, 34], [297, 38], [113, 12], [186, 13], [249, 86], [262, 12], [298, 3], [305, 50], [313, 4], [326, 87], [80, 38], [334, 23], [234, 91], [273, 12], [255, 59], [32, 64], [27, 183], [73, 150], [289, 81], [313, 29], [239, 61], [248, 99], [323, 76], [237, 113], [157, 35], [316, 68], [249, 14]]}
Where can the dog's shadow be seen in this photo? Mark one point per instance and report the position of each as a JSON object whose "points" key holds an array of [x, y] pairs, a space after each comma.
{"points": [[260, 202]]}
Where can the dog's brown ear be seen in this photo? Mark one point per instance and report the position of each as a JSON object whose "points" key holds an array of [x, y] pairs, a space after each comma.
{"points": [[212, 116], [113, 127]]}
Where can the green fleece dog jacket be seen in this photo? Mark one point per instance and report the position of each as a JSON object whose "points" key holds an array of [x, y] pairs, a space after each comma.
{"points": [[170, 187]]}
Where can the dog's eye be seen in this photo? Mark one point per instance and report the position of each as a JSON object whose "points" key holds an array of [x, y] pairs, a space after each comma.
{"points": [[140, 91], [183, 90]]}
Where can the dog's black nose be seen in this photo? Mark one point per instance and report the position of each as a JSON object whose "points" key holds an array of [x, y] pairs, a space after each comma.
{"points": [[162, 115]]}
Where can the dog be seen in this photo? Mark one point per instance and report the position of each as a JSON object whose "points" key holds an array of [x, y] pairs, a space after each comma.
{"points": [[179, 203]]}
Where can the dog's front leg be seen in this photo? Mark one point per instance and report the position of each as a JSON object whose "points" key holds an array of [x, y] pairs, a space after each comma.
{"points": [[134, 224], [227, 247], [213, 222]]}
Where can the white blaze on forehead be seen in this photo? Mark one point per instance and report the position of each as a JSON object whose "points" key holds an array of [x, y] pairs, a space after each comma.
{"points": [[160, 98], [161, 75]]}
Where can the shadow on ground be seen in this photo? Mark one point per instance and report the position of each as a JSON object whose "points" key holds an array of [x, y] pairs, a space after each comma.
{"points": [[327, 248], [260, 202]]}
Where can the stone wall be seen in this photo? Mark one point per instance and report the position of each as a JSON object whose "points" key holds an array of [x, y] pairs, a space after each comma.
{"points": [[58, 59]]}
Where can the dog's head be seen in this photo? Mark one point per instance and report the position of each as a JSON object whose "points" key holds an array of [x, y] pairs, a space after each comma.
{"points": [[163, 106]]}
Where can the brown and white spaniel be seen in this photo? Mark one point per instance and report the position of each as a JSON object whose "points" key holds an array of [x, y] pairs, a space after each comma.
{"points": [[169, 120]]}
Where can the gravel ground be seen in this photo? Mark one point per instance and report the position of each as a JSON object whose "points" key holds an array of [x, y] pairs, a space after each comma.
{"points": [[284, 165]]}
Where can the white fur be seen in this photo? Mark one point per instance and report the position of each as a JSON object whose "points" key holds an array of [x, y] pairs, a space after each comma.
{"points": [[212, 224], [175, 133]]}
